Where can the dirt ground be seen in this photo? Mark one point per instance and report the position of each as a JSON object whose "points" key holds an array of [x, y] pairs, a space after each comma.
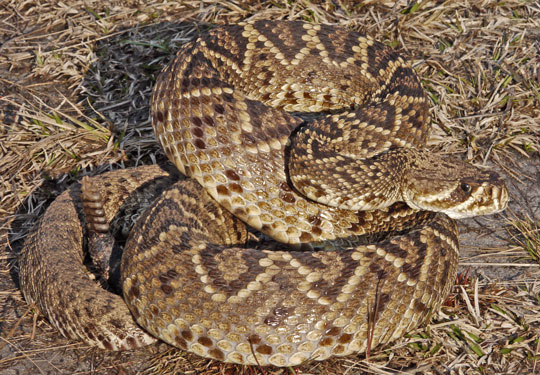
{"points": [[75, 81]]}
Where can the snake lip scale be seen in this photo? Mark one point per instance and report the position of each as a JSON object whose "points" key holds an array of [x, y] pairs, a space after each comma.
{"points": [[361, 213]]}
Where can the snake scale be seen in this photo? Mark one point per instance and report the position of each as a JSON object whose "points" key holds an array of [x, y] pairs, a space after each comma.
{"points": [[362, 213]]}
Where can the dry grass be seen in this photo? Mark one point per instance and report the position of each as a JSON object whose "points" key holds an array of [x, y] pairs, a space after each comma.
{"points": [[75, 80]]}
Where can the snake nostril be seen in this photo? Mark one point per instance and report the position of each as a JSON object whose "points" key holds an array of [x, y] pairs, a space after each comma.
{"points": [[493, 177]]}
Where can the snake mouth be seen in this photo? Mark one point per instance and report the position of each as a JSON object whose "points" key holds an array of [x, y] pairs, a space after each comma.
{"points": [[495, 200]]}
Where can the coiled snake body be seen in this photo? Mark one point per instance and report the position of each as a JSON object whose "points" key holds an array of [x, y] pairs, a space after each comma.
{"points": [[362, 267]]}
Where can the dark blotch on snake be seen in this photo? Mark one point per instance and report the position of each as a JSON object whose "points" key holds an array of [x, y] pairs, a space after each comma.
{"points": [[203, 340], [187, 335], [217, 354], [222, 190], [264, 349], [180, 342], [232, 175]]}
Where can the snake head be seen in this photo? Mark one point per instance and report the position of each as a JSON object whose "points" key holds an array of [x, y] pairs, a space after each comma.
{"points": [[454, 187]]}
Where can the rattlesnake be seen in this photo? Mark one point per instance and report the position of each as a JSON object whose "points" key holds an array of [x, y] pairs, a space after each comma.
{"points": [[357, 267]]}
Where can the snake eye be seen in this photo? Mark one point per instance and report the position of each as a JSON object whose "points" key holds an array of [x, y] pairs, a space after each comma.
{"points": [[466, 187]]}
